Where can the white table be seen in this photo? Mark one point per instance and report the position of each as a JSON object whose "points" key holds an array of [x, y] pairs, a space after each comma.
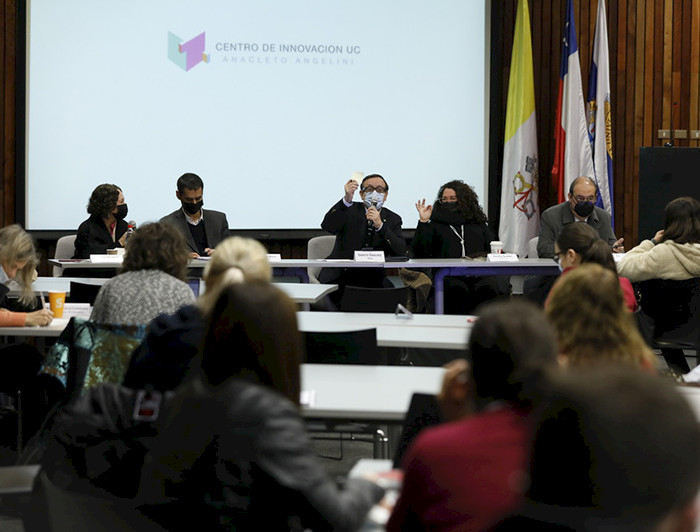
{"points": [[366, 393], [424, 330], [300, 293]]}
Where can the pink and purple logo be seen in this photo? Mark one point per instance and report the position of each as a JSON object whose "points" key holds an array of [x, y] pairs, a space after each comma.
{"points": [[187, 54]]}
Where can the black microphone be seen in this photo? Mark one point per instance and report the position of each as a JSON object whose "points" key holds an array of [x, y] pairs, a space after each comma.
{"points": [[370, 223], [670, 144]]}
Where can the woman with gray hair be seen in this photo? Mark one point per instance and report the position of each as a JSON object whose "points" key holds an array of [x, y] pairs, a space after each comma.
{"points": [[165, 356]]}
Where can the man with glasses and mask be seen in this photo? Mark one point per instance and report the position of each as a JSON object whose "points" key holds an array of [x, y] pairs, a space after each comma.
{"points": [[362, 225], [202, 235], [580, 207]]}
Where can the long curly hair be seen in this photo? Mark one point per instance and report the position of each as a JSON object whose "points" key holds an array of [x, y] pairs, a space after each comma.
{"points": [[593, 325], [103, 200], [467, 200], [157, 246]]}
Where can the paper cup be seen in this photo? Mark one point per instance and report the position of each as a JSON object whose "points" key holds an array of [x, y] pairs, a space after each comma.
{"points": [[56, 301], [496, 246]]}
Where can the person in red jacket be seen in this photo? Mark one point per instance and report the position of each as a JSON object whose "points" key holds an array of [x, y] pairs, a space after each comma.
{"points": [[466, 474]]}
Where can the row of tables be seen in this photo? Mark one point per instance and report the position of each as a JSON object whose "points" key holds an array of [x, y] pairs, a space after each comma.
{"points": [[443, 267]]}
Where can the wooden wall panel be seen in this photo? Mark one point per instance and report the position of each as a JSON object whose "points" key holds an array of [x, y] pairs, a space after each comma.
{"points": [[654, 61]]}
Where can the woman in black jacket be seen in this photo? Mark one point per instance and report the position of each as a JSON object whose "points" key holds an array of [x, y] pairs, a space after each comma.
{"points": [[106, 228], [454, 227]]}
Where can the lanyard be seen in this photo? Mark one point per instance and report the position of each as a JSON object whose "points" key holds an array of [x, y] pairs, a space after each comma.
{"points": [[461, 238]]}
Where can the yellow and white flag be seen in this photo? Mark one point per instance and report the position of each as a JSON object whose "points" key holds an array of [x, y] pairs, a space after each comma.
{"points": [[520, 216]]}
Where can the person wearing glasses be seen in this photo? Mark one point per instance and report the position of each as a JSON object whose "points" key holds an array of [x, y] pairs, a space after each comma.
{"points": [[580, 207], [359, 225], [455, 226]]}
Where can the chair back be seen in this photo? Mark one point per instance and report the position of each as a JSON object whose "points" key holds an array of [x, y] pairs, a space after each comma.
{"points": [[532, 248], [674, 307], [352, 347], [83, 292], [319, 247], [362, 299], [65, 249], [71, 511]]}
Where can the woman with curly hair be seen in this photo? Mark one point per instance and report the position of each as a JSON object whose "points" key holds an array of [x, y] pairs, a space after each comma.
{"points": [[151, 281], [456, 226], [106, 228]]}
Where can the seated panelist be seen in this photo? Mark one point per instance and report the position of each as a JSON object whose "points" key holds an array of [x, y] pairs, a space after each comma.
{"points": [[203, 230], [362, 225], [106, 228]]}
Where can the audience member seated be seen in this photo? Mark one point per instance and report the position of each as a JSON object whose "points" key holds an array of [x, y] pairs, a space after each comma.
{"points": [[464, 475], [106, 228], [593, 326], [151, 281], [674, 252], [579, 244], [233, 449], [173, 340], [20, 362], [615, 450], [456, 226]]}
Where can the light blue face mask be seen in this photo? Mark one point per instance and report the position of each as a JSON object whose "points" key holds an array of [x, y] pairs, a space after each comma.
{"points": [[3, 276], [374, 198]]}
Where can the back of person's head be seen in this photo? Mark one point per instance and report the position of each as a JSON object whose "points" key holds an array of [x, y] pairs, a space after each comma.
{"points": [[16, 245], [103, 200], [587, 309], [512, 348], [682, 221], [586, 242], [616, 450], [189, 181], [235, 260], [157, 246], [252, 334]]}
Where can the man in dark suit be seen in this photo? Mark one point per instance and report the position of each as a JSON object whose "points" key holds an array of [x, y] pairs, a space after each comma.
{"points": [[202, 235], [362, 225]]}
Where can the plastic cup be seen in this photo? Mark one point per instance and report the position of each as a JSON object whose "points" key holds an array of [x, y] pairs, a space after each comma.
{"points": [[496, 246], [56, 301]]}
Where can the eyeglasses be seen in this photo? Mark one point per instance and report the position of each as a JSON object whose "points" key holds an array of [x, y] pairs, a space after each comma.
{"points": [[447, 200], [580, 199], [558, 255], [369, 190]]}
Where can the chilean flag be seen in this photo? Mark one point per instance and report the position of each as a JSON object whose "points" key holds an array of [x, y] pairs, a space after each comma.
{"points": [[572, 152]]}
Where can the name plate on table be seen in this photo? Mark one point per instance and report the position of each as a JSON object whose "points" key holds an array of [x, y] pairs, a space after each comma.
{"points": [[117, 259], [273, 256], [502, 257], [369, 256]]}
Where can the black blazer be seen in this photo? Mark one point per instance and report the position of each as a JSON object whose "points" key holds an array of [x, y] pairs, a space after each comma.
{"points": [[349, 225], [215, 227], [94, 238]]}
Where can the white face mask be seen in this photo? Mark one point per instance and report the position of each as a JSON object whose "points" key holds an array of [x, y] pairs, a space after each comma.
{"points": [[374, 198]]}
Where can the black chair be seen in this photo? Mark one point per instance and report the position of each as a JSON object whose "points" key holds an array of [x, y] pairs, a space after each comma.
{"points": [[83, 292], [362, 299], [352, 347], [674, 311]]}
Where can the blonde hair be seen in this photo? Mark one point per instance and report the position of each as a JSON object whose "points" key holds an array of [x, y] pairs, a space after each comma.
{"points": [[593, 325], [236, 260], [16, 245]]}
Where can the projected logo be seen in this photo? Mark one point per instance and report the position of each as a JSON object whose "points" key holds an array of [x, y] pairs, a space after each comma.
{"points": [[187, 54]]}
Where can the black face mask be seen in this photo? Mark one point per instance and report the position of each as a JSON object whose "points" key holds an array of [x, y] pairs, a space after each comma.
{"points": [[448, 213], [122, 211], [193, 208], [583, 208]]}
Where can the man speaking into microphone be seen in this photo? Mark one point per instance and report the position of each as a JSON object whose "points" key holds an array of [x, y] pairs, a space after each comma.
{"points": [[362, 226]]}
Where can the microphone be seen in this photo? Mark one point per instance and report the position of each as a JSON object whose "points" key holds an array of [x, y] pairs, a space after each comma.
{"points": [[670, 144], [131, 226], [370, 223]]}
